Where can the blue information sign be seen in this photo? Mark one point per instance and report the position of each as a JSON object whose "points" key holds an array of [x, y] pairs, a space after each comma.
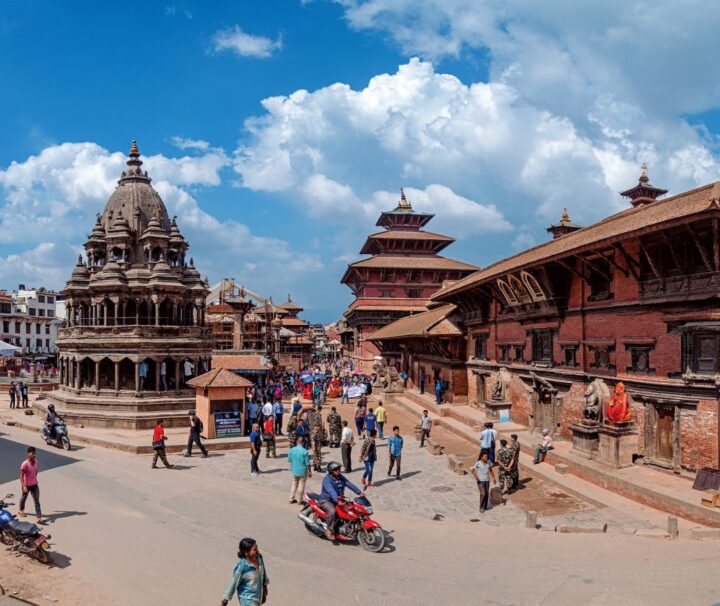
{"points": [[227, 424]]}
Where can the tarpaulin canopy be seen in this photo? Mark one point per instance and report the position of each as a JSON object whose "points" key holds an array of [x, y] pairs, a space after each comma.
{"points": [[6, 349]]}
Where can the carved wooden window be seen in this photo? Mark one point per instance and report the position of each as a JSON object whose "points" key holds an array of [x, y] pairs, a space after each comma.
{"points": [[507, 293], [602, 356], [570, 352], [542, 341], [481, 347], [640, 359], [519, 289], [532, 286], [505, 353], [413, 293], [519, 353], [703, 352]]}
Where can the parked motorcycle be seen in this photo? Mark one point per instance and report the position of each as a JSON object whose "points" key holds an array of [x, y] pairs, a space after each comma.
{"points": [[24, 537], [352, 521], [61, 438]]}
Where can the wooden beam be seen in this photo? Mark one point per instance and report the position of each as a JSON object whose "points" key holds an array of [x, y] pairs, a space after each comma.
{"points": [[612, 262], [699, 247], [651, 263], [632, 265], [572, 270], [595, 268], [716, 244]]}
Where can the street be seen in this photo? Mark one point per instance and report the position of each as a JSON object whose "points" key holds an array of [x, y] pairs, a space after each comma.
{"points": [[146, 536]]}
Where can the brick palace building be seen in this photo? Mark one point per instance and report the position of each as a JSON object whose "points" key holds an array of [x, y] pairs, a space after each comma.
{"points": [[633, 298], [398, 279]]}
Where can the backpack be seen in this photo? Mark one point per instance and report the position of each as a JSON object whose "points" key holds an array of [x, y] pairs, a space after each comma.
{"points": [[201, 427]]}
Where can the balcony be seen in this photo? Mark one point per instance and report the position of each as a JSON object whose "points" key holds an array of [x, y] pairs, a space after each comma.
{"points": [[135, 330], [535, 309], [696, 286]]}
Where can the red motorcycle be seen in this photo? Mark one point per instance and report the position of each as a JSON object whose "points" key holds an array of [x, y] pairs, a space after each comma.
{"points": [[352, 521]]}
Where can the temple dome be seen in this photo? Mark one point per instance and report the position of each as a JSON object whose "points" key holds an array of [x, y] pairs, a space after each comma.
{"points": [[135, 198]]}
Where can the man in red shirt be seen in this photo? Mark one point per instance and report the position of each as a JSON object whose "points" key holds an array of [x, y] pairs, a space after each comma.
{"points": [[158, 445], [269, 430], [29, 484]]}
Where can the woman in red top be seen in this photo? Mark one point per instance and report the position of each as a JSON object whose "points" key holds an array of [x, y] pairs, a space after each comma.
{"points": [[269, 430], [158, 444]]}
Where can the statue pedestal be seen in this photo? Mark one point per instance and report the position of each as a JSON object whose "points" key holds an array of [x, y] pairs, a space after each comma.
{"points": [[618, 443], [389, 394], [493, 408], [585, 439]]}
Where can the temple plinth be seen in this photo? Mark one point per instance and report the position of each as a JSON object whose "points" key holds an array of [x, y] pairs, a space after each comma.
{"points": [[135, 330]]}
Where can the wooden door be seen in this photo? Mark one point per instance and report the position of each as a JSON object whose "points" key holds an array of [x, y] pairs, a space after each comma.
{"points": [[664, 433]]}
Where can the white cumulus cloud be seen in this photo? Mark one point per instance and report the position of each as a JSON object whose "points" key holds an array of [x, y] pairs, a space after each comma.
{"points": [[243, 44]]}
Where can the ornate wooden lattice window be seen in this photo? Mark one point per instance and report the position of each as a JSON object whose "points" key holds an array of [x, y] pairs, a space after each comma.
{"points": [[701, 352], [481, 347], [602, 357], [570, 355], [542, 346], [640, 359], [519, 353], [522, 294], [504, 353], [507, 293]]}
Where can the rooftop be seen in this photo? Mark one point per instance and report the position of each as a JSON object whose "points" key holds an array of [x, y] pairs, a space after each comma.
{"points": [[219, 377], [432, 322]]}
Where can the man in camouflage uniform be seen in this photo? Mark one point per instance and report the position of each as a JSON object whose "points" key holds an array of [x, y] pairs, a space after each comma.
{"points": [[292, 424], [505, 457], [335, 426], [316, 435], [515, 471]]}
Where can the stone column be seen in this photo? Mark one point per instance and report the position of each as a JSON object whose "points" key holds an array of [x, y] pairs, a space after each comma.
{"points": [[104, 313], [157, 313], [157, 375], [177, 375], [137, 377], [76, 373], [117, 376], [97, 376]]}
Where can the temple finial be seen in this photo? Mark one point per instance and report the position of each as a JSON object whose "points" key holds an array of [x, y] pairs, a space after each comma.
{"points": [[644, 177], [134, 151], [404, 201], [565, 216]]}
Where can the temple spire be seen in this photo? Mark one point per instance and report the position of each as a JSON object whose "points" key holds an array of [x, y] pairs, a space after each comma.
{"points": [[134, 151], [643, 192], [403, 204], [565, 226]]}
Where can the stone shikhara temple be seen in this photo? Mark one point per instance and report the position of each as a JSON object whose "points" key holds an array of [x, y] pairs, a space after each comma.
{"points": [[135, 316], [547, 335]]}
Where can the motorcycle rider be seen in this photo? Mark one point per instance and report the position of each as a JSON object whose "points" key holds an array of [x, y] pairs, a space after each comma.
{"points": [[333, 489], [50, 419]]}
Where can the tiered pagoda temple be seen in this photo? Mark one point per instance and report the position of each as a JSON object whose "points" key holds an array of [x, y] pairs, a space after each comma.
{"points": [[135, 316], [398, 279]]}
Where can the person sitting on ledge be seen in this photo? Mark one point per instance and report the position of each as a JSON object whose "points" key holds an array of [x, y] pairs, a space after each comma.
{"points": [[543, 447]]}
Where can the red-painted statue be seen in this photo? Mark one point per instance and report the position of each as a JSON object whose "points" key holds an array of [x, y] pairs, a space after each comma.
{"points": [[618, 410]]}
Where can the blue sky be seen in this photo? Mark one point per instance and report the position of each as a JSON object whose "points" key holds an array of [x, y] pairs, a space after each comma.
{"points": [[278, 130]]}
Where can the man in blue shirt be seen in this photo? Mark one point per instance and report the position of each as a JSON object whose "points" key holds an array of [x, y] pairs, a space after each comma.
{"points": [[255, 446], [395, 444], [300, 467], [253, 410], [301, 431], [333, 488], [370, 421], [278, 411]]}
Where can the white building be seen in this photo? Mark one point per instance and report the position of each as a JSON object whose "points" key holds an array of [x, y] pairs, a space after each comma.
{"points": [[29, 320]]}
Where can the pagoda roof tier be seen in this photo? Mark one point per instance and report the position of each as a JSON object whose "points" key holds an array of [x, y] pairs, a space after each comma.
{"points": [[403, 217], [633, 222], [408, 242], [434, 322]]}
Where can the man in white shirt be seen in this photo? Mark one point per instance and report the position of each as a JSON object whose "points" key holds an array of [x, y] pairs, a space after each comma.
{"points": [[163, 375], [187, 369], [483, 472], [347, 440], [488, 437], [267, 411], [425, 426], [543, 447]]}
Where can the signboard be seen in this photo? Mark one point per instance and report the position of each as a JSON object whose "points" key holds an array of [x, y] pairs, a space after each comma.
{"points": [[355, 391], [228, 425], [505, 415]]}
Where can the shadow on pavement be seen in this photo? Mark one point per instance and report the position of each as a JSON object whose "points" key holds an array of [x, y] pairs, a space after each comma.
{"points": [[12, 454], [64, 514], [60, 560]]}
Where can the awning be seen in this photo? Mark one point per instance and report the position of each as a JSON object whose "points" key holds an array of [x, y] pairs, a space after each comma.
{"points": [[8, 350]]}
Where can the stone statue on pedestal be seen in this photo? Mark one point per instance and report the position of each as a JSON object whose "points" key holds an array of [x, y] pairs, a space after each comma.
{"points": [[501, 386], [596, 395]]}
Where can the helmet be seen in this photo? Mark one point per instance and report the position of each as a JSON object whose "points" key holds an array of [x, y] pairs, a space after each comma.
{"points": [[51, 407], [333, 466]]}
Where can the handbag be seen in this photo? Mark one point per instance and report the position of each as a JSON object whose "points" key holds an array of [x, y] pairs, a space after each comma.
{"points": [[267, 437], [157, 445]]}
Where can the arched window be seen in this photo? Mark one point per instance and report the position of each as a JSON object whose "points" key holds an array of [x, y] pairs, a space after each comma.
{"points": [[519, 289], [507, 293], [533, 286]]}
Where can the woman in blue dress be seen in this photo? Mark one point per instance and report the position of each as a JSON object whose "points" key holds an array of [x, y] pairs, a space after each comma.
{"points": [[249, 578]]}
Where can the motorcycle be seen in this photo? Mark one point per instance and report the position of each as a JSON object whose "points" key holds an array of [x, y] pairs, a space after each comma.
{"points": [[352, 521], [24, 537], [61, 437]]}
